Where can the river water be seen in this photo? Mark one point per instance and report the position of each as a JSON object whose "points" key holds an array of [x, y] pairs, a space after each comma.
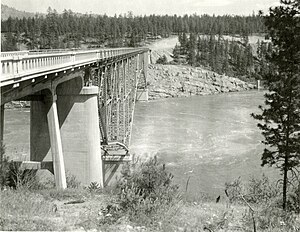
{"points": [[209, 139]]}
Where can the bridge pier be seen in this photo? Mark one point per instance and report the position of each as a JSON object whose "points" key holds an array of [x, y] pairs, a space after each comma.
{"points": [[69, 129], [1, 130], [45, 134]]}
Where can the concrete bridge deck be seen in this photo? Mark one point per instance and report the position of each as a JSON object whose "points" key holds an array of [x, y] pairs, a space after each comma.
{"points": [[23, 65]]}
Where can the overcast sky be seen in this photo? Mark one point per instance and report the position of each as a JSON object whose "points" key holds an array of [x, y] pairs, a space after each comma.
{"points": [[141, 7]]}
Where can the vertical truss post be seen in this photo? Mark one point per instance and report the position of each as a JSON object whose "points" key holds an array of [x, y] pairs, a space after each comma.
{"points": [[121, 102], [102, 104]]}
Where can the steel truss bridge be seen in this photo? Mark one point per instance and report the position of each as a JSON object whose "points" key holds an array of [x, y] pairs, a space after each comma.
{"points": [[114, 77]]}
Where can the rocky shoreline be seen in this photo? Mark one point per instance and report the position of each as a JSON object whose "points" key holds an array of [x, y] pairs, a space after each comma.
{"points": [[182, 81]]}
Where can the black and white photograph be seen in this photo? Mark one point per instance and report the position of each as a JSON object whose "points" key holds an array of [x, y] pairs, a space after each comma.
{"points": [[150, 115]]}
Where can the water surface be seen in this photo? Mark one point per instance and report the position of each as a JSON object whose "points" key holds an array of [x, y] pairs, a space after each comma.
{"points": [[211, 139]]}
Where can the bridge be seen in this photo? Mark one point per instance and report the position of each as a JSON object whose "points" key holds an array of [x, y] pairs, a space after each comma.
{"points": [[81, 107]]}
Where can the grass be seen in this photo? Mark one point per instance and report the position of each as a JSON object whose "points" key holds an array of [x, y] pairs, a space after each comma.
{"points": [[22, 209], [144, 200]]}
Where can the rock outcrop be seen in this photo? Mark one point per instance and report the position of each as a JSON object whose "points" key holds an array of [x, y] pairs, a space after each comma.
{"points": [[182, 81]]}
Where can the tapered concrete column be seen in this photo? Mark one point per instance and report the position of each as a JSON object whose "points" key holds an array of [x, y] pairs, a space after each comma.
{"points": [[69, 129], [96, 168], [1, 124], [1, 129], [79, 125], [56, 145]]}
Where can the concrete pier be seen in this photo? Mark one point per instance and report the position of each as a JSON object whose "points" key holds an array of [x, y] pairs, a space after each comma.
{"points": [[77, 110]]}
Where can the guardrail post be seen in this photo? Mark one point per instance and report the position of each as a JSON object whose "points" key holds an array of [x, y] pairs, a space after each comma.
{"points": [[16, 65], [73, 57]]}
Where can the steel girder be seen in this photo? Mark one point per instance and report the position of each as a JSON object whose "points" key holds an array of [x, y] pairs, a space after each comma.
{"points": [[118, 83]]}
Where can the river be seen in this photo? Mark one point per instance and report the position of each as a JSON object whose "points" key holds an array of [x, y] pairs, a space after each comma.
{"points": [[209, 139]]}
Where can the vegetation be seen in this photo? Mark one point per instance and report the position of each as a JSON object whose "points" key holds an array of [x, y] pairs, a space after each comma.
{"points": [[232, 58], [162, 60], [69, 29], [262, 197], [146, 199], [280, 118]]}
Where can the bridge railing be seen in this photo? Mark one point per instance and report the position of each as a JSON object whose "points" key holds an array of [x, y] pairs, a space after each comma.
{"points": [[18, 64]]}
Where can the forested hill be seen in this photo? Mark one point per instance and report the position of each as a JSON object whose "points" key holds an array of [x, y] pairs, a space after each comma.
{"points": [[72, 30], [7, 12]]}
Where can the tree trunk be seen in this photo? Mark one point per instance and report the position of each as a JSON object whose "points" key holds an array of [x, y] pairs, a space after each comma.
{"points": [[285, 171]]}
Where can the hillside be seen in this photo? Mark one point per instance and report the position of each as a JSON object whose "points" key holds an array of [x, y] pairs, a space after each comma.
{"points": [[7, 11], [182, 80]]}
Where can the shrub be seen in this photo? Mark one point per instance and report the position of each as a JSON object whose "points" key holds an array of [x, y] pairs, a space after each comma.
{"points": [[272, 218], [94, 187], [234, 190], [71, 180], [3, 167], [260, 190], [162, 60], [293, 199], [12, 175], [145, 191], [262, 198], [256, 191], [18, 177]]}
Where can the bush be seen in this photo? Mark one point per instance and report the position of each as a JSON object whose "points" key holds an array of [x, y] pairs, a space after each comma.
{"points": [[145, 191], [162, 60], [262, 198], [260, 190], [13, 176], [72, 181], [256, 191], [293, 199]]}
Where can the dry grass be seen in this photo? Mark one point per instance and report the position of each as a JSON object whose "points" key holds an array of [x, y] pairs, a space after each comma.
{"points": [[47, 210]]}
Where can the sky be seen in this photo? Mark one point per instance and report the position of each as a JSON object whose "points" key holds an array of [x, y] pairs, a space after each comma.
{"points": [[142, 7]]}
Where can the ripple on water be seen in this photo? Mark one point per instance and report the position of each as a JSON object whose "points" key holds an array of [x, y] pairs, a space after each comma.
{"points": [[213, 135]]}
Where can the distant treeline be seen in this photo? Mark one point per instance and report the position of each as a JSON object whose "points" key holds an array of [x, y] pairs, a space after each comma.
{"points": [[231, 57], [69, 29]]}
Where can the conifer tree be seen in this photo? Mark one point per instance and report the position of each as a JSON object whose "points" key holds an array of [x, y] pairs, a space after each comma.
{"points": [[280, 117], [192, 44]]}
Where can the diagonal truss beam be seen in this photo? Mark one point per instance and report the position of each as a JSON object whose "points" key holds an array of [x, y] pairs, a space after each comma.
{"points": [[118, 83]]}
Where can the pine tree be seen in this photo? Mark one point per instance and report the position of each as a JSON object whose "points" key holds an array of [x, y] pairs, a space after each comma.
{"points": [[176, 53], [192, 44], [280, 117]]}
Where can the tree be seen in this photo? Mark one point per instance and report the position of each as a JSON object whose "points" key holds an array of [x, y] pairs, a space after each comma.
{"points": [[280, 117], [191, 53], [176, 53], [162, 60], [9, 43]]}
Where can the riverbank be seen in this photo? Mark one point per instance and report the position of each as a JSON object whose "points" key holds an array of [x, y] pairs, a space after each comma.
{"points": [[166, 81], [251, 207], [81, 210]]}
